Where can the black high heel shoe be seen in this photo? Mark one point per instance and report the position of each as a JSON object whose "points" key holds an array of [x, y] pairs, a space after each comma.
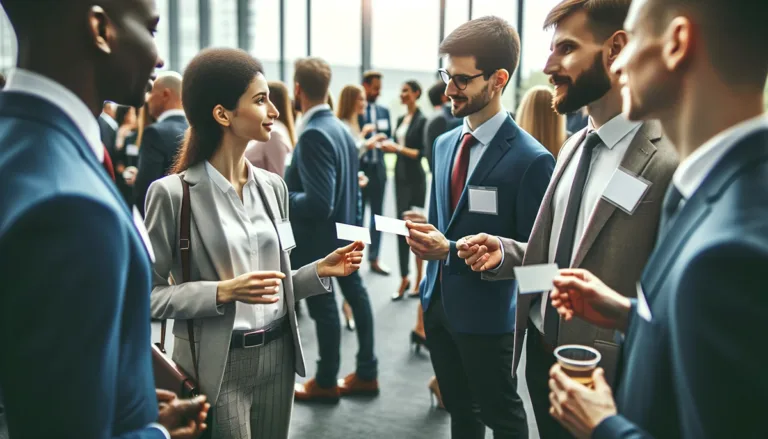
{"points": [[401, 294], [418, 341]]}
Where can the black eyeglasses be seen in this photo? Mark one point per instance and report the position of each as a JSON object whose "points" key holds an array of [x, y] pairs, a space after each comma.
{"points": [[461, 81]]}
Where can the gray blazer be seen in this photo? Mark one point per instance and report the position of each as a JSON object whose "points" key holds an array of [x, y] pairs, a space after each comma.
{"points": [[210, 263], [615, 246]]}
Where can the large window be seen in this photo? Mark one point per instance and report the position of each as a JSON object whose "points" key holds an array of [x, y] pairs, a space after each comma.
{"points": [[162, 36], [264, 34], [223, 22], [342, 47], [536, 41], [405, 36], [189, 32], [295, 34], [456, 14]]}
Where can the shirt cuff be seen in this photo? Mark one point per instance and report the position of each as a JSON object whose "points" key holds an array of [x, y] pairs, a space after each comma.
{"points": [[162, 429], [498, 267], [325, 281], [616, 426]]}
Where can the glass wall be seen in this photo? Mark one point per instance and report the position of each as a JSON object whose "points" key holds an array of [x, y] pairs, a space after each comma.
{"points": [[536, 42], [341, 48], [404, 46], [295, 35], [223, 21], [162, 37], [456, 14], [264, 34], [189, 32]]}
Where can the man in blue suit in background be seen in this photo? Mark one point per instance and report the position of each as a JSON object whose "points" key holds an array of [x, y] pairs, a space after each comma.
{"points": [[488, 173], [323, 187], [694, 359], [372, 164], [74, 306]]}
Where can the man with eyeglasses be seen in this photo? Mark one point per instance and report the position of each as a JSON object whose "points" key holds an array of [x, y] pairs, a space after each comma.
{"points": [[488, 175]]}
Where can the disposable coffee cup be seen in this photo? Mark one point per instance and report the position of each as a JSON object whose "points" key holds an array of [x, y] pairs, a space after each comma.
{"points": [[578, 362]]}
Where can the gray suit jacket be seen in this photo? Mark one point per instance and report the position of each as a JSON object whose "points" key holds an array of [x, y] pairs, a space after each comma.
{"points": [[210, 263], [615, 246]]}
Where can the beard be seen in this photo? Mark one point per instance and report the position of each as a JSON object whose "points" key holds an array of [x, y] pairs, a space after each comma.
{"points": [[473, 104], [590, 86]]}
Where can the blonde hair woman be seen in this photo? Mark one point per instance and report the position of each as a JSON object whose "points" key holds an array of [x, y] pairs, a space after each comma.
{"points": [[272, 155], [536, 116]]}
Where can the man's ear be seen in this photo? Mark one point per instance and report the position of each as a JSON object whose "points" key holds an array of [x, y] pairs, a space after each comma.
{"points": [[502, 77], [100, 29], [618, 42]]}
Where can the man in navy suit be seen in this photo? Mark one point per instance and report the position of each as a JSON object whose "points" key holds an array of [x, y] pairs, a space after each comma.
{"points": [[74, 307], [323, 187], [372, 164], [488, 174], [161, 141], [693, 358]]}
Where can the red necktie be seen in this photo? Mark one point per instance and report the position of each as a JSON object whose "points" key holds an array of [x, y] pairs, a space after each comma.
{"points": [[107, 163], [460, 169]]}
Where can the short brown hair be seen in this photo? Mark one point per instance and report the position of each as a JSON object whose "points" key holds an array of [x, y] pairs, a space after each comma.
{"points": [[2, 81], [605, 17], [314, 77], [370, 75], [493, 42], [734, 34]]}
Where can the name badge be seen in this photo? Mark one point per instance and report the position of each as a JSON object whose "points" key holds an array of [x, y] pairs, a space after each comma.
{"points": [[382, 124], [625, 190], [285, 232], [132, 150], [138, 222], [483, 200], [643, 310]]}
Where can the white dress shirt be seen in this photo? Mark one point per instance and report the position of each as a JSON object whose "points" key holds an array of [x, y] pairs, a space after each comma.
{"points": [[616, 136], [308, 116], [109, 120], [484, 135], [171, 113], [253, 244], [24, 81], [694, 169]]}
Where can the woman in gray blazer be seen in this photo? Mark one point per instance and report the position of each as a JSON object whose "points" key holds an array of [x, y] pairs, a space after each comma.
{"points": [[242, 290]]}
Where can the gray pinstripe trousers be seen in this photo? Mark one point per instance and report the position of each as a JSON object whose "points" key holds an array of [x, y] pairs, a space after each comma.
{"points": [[256, 396]]}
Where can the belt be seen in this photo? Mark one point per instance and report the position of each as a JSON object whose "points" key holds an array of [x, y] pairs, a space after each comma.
{"points": [[252, 339]]}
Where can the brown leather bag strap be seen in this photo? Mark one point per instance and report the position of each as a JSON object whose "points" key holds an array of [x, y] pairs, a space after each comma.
{"points": [[162, 335], [184, 248]]}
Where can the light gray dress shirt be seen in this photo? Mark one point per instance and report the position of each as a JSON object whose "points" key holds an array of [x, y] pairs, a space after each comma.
{"points": [[616, 136], [484, 135], [253, 244]]}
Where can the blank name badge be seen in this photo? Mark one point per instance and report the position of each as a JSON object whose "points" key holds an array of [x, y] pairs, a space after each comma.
{"points": [[132, 150], [625, 190], [483, 200], [382, 125], [285, 231]]}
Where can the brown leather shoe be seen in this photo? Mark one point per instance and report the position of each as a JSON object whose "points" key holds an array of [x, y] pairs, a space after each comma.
{"points": [[311, 392], [351, 385]]}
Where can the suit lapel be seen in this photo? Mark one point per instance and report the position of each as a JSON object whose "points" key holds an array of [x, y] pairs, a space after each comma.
{"points": [[496, 150], [207, 220], [639, 153]]}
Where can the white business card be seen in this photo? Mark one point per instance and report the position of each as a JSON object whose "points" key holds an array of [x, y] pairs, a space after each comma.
{"points": [[391, 225], [533, 279], [353, 233]]}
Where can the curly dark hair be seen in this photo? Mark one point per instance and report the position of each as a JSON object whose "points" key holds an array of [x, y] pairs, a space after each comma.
{"points": [[214, 77]]}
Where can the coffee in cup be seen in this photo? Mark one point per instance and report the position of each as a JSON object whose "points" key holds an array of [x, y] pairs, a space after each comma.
{"points": [[578, 362]]}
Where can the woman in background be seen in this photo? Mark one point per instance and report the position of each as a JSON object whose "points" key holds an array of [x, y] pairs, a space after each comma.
{"points": [[536, 116], [273, 154], [410, 178], [351, 105]]}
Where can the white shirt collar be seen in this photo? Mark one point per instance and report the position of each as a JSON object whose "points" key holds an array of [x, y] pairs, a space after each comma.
{"points": [[24, 81], [612, 132], [171, 113], [219, 179], [109, 120], [694, 169], [487, 131], [314, 110]]}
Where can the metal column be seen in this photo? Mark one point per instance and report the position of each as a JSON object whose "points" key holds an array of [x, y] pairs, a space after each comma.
{"points": [[205, 23], [173, 37], [442, 31], [309, 27], [243, 23], [519, 73], [366, 40], [282, 40]]}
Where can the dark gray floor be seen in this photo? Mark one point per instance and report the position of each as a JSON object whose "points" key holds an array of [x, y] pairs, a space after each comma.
{"points": [[403, 409]]}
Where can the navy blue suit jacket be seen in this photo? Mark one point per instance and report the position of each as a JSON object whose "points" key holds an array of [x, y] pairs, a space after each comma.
{"points": [[519, 168], [322, 186], [74, 307], [382, 113], [698, 368]]}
